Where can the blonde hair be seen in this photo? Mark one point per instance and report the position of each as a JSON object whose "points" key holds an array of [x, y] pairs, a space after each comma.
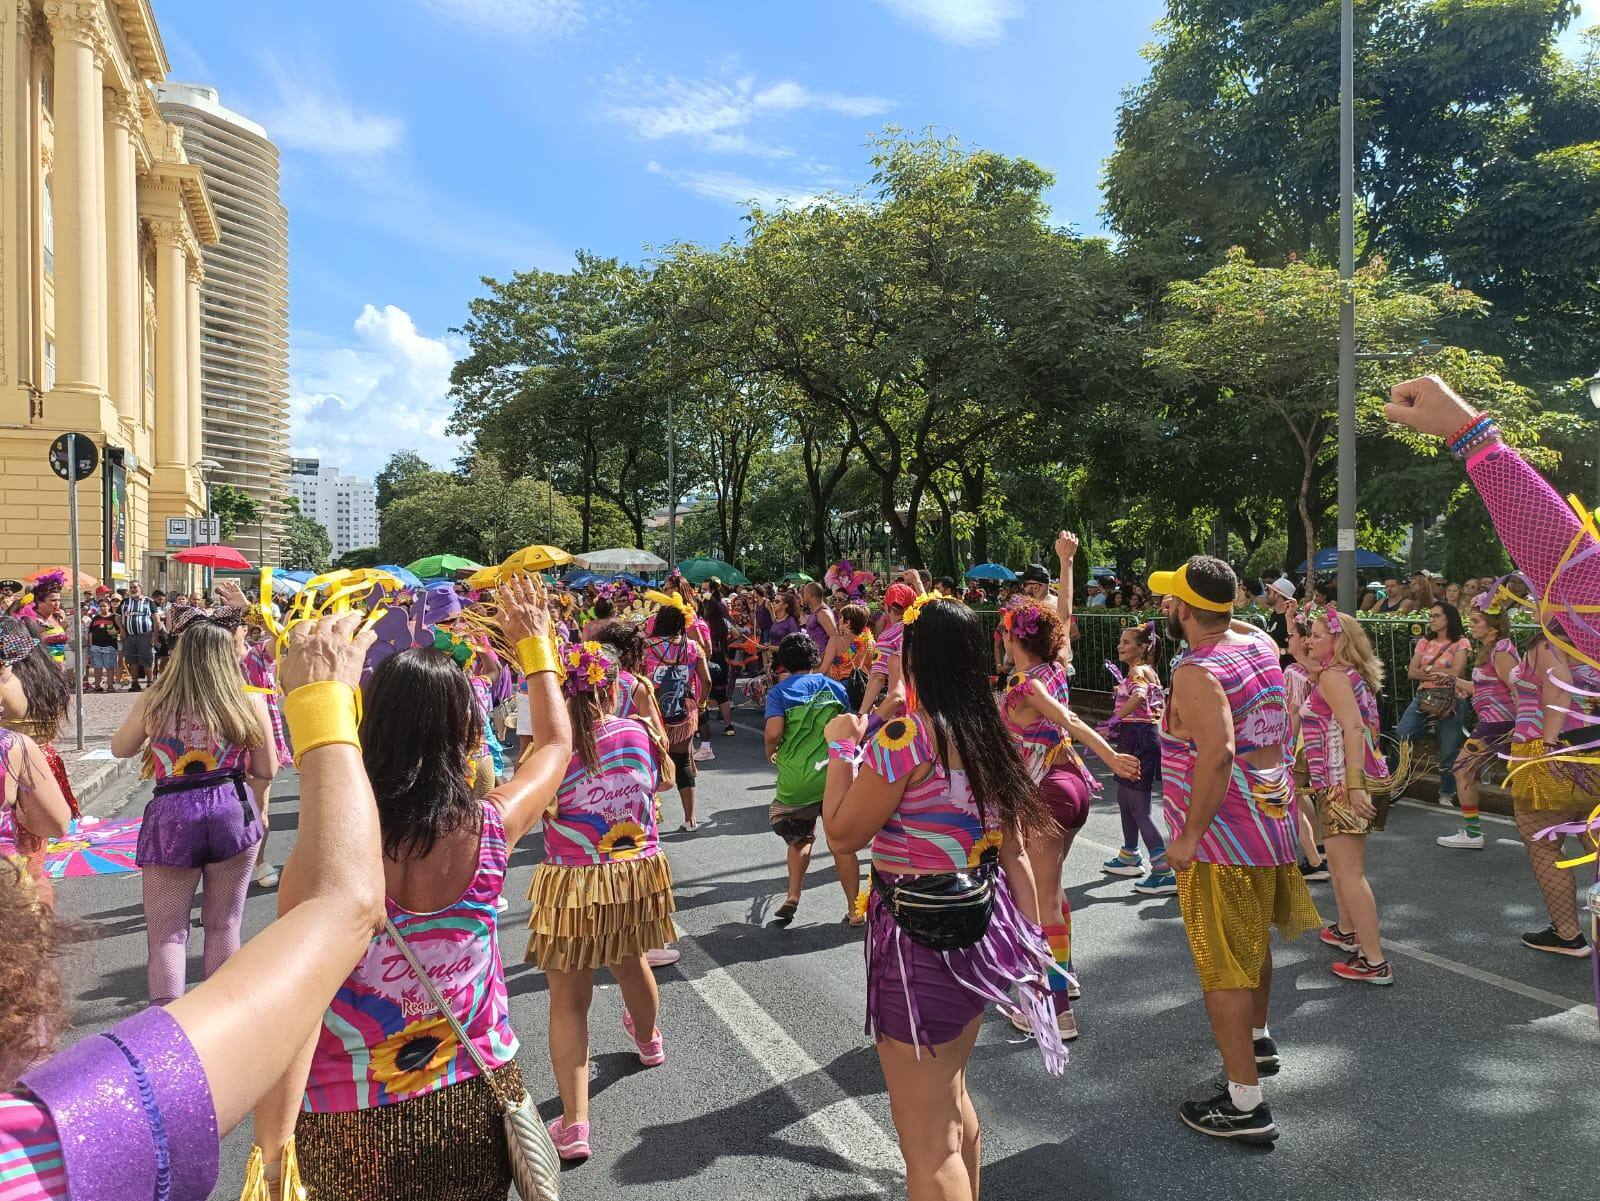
{"points": [[203, 683], [1352, 648]]}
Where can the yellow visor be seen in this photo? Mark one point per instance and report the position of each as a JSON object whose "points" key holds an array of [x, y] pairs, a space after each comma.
{"points": [[1176, 583]]}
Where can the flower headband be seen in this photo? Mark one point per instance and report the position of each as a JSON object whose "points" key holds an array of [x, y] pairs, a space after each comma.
{"points": [[589, 668], [914, 609], [1330, 615], [1021, 620]]}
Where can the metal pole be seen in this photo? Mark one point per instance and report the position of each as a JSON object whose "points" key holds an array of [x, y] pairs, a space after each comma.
{"points": [[672, 495], [1347, 310], [208, 530], [77, 596]]}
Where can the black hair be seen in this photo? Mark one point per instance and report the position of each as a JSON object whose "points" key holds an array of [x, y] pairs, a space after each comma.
{"points": [[603, 608], [43, 683], [714, 614], [948, 581], [1213, 580], [669, 622], [419, 731], [1252, 585], [947, 658], [1453, 629], [624, 638], [797, 654]]}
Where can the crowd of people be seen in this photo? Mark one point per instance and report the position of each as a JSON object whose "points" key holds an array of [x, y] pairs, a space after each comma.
{"points": [[434, 731]]}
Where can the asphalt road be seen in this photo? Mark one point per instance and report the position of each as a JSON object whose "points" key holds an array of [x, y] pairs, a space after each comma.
{"points": [[1476, 1075]]}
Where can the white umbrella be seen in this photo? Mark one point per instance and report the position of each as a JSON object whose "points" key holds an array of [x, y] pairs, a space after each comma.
{"points": [[621, 558]]}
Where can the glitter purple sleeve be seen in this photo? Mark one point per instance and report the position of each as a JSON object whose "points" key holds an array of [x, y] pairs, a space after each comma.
{"points": [[134, 1113]]}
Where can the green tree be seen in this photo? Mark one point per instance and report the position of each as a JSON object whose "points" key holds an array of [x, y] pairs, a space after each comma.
{"points": [[362, 556], [232, 508], [404, 473], [306, 545]]}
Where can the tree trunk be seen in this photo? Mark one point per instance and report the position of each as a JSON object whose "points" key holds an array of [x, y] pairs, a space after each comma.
{"points": [[1299, 547], [1303, 503], [1419, 545]]}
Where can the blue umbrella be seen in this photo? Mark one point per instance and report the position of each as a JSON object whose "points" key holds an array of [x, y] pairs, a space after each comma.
{"points": [[299, 577], [1328, 560], [405, 576], [991, 571]]}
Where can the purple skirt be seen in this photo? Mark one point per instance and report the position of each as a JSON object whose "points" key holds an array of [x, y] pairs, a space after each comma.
{"points": [[1138, 738], [197, 820], [1488, 745], [926, 998]]}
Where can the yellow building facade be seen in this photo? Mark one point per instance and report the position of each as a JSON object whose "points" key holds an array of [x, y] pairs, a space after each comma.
{"points": [[102, 220]]}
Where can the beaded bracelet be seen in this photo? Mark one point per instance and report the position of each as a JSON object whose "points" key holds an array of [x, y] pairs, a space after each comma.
{"points": [[1465, 428], [1483, 422], [1473, 440]]}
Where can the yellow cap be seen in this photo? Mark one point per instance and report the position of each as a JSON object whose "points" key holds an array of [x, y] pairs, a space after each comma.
{"points": [[1176, 583]]}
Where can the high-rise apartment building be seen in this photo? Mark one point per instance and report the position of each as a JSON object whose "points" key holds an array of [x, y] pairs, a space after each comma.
{"points": [[102, 221], [244, 307], [344, 505]]}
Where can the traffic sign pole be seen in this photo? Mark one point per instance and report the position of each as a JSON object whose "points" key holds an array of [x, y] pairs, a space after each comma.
{"points": [[77, 592]]}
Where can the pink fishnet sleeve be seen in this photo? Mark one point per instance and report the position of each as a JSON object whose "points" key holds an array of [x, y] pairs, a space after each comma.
{"points": [[1537, 526]]}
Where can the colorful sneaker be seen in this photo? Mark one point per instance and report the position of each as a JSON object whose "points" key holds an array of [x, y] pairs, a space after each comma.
{"points": [[1219, 1117], [572, 1142], [662, 957], [652, 1053], [1471, 842], [1121, 865], [1357, 968], [1548, 940], [1158, 884], [703, 752], [1335, 937], [1267, 1061]]}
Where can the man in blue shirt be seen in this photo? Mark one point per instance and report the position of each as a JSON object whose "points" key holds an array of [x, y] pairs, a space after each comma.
{"points": [[799, 707]]}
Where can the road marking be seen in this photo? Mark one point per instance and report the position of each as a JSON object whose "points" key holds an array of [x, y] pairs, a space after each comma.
{"points": [[1554, 1000], [1452, 813], [845, 1125]]}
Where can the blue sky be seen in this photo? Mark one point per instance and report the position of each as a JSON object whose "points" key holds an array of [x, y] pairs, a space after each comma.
{"points": [[429, 142]]}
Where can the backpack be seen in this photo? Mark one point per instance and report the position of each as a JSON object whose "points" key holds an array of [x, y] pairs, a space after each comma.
{"points": [[673, 680], [803, 754]]}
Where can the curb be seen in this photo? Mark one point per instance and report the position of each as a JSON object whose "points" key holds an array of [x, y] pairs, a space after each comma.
{"points": [[97, 787]]}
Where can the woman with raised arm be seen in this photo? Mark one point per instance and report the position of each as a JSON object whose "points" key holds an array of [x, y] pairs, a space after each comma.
{"points": [[944, 801], [386, 1100], [139, 1111]]}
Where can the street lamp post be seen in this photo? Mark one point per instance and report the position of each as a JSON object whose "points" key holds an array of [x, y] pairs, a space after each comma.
{"points": [[1594, 399], [1347, 311], [672, 493], [206, 467]]}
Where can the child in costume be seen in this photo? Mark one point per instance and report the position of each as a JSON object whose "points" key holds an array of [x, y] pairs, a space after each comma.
{"points": [[1137, 706]]}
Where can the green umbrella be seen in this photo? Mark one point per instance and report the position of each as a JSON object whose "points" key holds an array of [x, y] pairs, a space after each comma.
{"points": [[698, 571], [798, 577], [442, 567]]}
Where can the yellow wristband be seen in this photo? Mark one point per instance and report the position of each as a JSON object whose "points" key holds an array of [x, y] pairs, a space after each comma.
{"points": [[535, 655], [321, 714]]}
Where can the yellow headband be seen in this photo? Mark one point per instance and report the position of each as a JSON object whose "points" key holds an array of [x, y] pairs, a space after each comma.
{"points": [[914, 609], [1176, 583]]}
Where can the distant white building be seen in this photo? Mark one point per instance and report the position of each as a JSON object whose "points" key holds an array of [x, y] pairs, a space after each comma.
{"points": [[344, 505]]}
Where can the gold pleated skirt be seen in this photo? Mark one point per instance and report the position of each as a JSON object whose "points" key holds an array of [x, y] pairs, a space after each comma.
{"points": [[1228, 914], [1546, 787], [588, 916], [449, 1145]]}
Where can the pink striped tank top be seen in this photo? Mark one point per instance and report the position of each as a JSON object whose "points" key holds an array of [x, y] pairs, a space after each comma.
{"points": [[937, 827], [1493, 701], [1253, 826], [383, 1040], [1152, 701], [1528, 695], [607, 814], [1323, 736], [189, 750], [1040, 741]]}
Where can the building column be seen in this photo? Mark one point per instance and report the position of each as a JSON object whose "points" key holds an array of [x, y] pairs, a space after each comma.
{"points": [[192, 348], [102, 279], [172, 338], [126, 313], [79, 354]]}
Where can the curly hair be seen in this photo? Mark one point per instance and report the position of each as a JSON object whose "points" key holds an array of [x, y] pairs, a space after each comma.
{"points": [[1049, 634], [32, 1014], [625, 638]]}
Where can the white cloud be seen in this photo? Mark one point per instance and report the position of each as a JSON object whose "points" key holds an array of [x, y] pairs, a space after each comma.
{"points": [[715, 115], [354, 404], [518, 18], [311, 114], [733, 188], [964, 22]]}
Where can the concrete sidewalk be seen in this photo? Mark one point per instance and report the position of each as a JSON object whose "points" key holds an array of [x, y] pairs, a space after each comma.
{"points": [[94, 776]]}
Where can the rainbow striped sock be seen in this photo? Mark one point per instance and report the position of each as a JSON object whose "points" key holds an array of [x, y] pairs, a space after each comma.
{"points": [[1060, 940], [1469, 820]]}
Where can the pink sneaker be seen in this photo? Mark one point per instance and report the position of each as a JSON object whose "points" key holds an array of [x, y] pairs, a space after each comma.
{"points": [[652, 1053], [662, 957], [572, 1142]]}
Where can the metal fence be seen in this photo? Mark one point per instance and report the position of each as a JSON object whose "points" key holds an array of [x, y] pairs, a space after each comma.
{"points": [[1394, 638]]}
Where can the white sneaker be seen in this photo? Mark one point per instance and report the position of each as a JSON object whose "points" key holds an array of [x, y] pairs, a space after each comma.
{"points": [[1462, 839], [266, 876], [1066, 1024], [662, 957], [501, 904]]}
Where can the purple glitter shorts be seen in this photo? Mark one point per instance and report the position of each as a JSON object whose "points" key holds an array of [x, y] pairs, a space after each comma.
{"points": [[197, 820]]}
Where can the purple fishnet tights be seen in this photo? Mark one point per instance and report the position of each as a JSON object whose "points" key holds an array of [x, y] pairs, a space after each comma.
{"points": [[168, 899]]}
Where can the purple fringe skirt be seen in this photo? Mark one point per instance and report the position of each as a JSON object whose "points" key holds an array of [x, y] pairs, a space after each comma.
{"points": [[926, 998]]}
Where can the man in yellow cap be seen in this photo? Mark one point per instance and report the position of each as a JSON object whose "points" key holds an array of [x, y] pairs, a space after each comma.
{"points": [[1229, 804]]}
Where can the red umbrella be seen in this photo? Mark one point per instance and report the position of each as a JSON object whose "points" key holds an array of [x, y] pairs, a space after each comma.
{"points": [[223, 558], [85, 581]]}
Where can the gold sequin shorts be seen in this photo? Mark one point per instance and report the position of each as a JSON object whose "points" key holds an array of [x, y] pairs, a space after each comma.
{"points": [[586, 917], [1228, 913], [1335, 814], [449, 1145], [1547, 787]]}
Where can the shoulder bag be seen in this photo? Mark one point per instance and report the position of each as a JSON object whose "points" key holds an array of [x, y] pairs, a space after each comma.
{"points": [[535, 1166]]}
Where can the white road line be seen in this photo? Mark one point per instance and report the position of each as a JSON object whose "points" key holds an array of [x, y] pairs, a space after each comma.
{"points": [[845, 1125], [1451, 812]]}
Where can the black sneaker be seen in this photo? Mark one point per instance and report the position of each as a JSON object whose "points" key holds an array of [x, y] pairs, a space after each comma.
{"points": [[1313, 874], [1219, 1117], [1548, 940], [1267, 1062], [136, 688]]}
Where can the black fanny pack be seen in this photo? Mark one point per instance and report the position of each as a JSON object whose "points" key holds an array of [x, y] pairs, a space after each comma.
{"points": [[945, 912], [210, 779]]}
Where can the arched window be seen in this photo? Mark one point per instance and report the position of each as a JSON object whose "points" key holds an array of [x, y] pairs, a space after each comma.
{"points": [[49, 230]]}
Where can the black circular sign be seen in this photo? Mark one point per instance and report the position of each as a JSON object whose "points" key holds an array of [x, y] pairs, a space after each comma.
{"points": [[88, 456]]}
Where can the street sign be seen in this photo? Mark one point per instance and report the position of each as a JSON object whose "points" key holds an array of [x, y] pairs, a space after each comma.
{"points": [[207, 530], [88, 455], [180, 533]]}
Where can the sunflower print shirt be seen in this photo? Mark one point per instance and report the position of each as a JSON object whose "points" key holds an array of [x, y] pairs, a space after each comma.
{"points": [[609, 814], [190, 750], [383, 1040], [937, 826]]}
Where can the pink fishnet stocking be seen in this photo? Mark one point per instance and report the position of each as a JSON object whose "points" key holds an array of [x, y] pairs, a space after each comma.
{"points": [[168, 901]]}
